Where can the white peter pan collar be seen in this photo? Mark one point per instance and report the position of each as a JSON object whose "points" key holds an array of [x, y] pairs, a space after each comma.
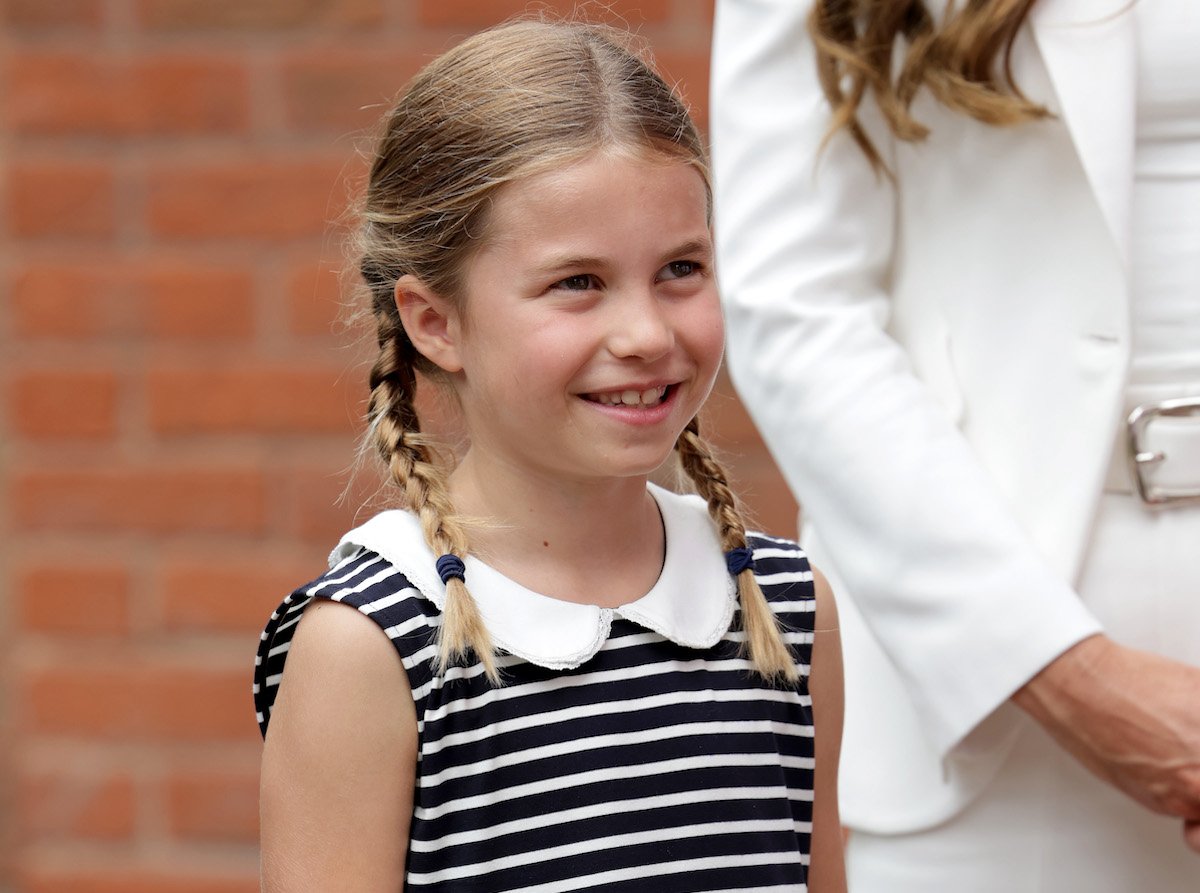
{"points": [[692, 603]]}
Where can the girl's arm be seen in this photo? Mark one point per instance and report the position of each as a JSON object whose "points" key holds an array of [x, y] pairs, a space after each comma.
{"points": [[339, 762], [827, 869]]}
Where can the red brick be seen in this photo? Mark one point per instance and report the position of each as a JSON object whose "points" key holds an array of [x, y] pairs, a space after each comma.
{"points": [[72, 404], [61, 299], [74, 600], [148, 500], [313, 504], [179, 94], [229, 596], [480, 13], [130, 297], [198, 303], [57, 93], [764, 495], [266, 15], [134, 879], [315, 300], [760, 486], [726, 421], [61, 198], [138, 701], [259, 398], [38, 14], [214, 805], [270, 199], [700, 12], [78, 804], [687, 71], [340, 90]]}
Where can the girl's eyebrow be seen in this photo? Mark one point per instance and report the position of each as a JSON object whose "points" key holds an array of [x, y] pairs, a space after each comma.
{"points": [[567, 262], [702, 246]]}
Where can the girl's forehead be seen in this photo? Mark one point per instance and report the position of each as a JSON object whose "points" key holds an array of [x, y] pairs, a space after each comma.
{"points": [[600, 183], [619, 160], [628, 230]]}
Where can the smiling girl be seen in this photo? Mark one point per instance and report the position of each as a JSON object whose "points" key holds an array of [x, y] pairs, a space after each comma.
{"points": [[542, 672]]}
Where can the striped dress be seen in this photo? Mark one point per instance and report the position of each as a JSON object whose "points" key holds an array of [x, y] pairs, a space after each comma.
{"points": [[649, 760]]}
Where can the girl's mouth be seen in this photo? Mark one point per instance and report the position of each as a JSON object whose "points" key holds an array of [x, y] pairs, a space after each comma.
{"points": [[635, 398]]}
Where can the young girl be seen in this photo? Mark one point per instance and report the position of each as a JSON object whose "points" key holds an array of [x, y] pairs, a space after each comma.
{"points": [[557, 676]]}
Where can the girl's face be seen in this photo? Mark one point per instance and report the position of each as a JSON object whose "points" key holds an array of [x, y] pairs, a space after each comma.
{"points": [[590, 330]]}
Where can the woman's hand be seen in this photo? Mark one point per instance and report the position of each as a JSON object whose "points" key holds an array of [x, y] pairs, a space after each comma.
{"points": [[1131, 717]]}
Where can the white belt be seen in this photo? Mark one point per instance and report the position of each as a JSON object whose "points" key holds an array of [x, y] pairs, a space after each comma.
{"points": [[1158, 454]]}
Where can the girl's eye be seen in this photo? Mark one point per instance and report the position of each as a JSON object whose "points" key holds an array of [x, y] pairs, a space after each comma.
{"points": [[679, 269], [581, 282]]}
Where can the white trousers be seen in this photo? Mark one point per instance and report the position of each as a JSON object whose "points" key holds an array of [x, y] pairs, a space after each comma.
{"points": [[1045, 825]]}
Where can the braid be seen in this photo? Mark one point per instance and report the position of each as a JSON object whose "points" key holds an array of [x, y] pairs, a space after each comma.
{"points": [[764, 639], [395, 430]]}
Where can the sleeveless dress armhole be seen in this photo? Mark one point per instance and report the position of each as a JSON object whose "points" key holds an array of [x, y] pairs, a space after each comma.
{"points": [[377, 589], [785, 576]]}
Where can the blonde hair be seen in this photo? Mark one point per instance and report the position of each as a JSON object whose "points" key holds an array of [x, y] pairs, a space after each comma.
{"points": [[505, 104], [965, 62]]}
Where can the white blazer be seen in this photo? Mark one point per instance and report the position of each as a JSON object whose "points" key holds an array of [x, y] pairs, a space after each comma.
{"points": [[937, 365]]}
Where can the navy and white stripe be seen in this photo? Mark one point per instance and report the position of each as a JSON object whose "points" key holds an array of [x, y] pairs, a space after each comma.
{"points": [[651, 766]]}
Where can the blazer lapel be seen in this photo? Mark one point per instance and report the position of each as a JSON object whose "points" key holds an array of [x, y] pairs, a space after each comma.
{"points": [[1089, 50]]}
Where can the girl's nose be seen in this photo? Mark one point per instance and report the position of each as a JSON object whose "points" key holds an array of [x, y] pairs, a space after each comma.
{"points": [[639, 328]]}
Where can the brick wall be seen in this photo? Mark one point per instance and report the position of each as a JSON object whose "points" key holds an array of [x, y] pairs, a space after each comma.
{"points": [[179, 408]]}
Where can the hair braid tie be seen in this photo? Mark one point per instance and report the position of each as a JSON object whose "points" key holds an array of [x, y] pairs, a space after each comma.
{"points": [[738, 560], [451, 567]]}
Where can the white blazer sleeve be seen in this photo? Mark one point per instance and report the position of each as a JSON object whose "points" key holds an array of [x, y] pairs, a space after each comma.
{"points": [[948, 582]]}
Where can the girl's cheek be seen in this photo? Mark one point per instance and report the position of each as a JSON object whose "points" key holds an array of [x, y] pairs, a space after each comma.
{"points": [[714, 334]]}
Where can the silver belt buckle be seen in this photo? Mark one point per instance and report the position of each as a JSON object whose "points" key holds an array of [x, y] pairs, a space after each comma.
{"points": [[1140, 459]]}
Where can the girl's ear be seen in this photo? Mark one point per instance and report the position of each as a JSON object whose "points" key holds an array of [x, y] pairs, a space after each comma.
{"points": [[431, 322]]}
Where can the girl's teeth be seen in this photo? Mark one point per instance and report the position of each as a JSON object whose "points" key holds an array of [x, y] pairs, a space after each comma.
{"points": [[648, 397]]}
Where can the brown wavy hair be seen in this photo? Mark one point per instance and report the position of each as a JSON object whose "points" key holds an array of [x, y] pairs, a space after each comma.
{"points": [[964, 61], [501, 106]]}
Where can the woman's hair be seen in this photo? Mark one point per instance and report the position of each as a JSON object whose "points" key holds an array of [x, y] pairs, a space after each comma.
{"points": [[508, 103], [965, 62]]}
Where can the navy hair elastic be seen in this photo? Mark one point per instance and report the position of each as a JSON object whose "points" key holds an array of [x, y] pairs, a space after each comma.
{"points": [[450, 566], [737, 560]]}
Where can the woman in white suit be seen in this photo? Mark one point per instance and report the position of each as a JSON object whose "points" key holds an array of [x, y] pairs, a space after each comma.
{"points": [[955, 349]]}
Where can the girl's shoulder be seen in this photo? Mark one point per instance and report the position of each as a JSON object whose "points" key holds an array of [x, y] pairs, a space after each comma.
{"points": [[378, 589], [781, 566], [774, 551], [789, 583]]}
